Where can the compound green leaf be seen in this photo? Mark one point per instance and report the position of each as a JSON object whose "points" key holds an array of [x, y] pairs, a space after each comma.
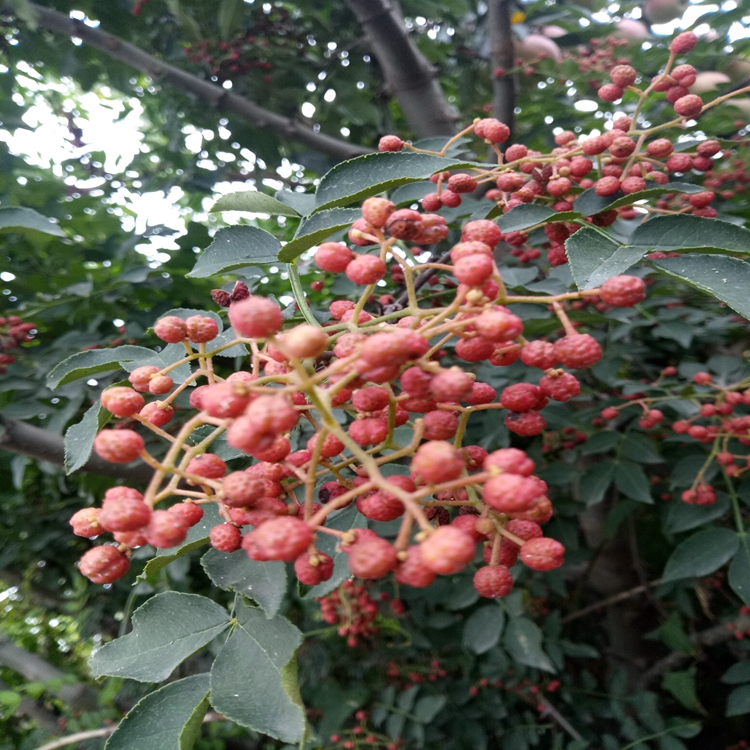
{"points": [[632, 481], [682, 687], [593, 256], [167, 719], [739, 571], [236, 247], [196, 537], [701, 554], [530, 214], [316, 228], [523, 641], [367, 175], [254, 202], [167, 629], [254, 680], [738, 702], [93, 361], [681, 233], [595, 483], [429, 706], [26, 219], [483, 629], [302, 203], [342, 520], [589, 203], [725, 278], [265, 582], [79, 438]]}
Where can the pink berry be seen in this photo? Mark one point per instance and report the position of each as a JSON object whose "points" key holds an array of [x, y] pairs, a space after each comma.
{"points": [[539, 354], [126, 514], [255, 317], [437, 461], [623, 291], [562, 387], [404, 224], [141, 377], [122, 401], [492, 130], [542, 554], [511, 493], [683, 43], [207, 465], [118, 446], [493, 581], [170, 329], [390, 143], [160, 384], [521, 397], [225, 537], [412, 571], [157, 413], [511, 461], [104, 564], [372, 558], [526, 424], [368, 431], [312, 575], [610, 92], [447, 550], [201, 329], [166, 530], [688, 106], [473, 270], [578, 351], [85, 522], [365, 269], [191, 512], [333, 257], [377, 210], [284, 538]]}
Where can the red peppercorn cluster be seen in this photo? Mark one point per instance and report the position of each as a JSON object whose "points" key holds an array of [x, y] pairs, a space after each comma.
{"points": [[13, 333], [353, 610], [360, 736]]}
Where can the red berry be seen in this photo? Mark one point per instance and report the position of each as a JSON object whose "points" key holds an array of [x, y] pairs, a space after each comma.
{"points": [[521, 397], [462, 183], [562, 387], [447, 550], [493, 581], [607, 186], [578, 351], [412, 571], [166, 529], [170, 329], [85, 522], [118, 446], [451, 385], [365, 269], [542, 554], [380, 506], [440, 425], [610, 92], [404, 224], [688, 106], [496, 325], [141, 377], [623, 75], [372, 558], [539, 354], [660, 148], [207, 465], [255, 317], [482, 230], [312, 575], [702, 378], [157, 413], [201, 329], [122, 401], [225, 537], [104, 564], [683, 43], [390, 143], [125, 514], [511, 461], [492, 130], [623, 291], [511, 493], [473, 270], [437, 461], [526, 424], [376, 211], [333, 257], [368, 431], [191, 512], [475, 349], [160, 384], [283, 538]]}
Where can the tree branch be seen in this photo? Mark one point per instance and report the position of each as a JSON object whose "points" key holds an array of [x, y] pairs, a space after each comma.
{"points": [[710, 637], [501, 56], [19, 437], [220, 98], [409, 76]]}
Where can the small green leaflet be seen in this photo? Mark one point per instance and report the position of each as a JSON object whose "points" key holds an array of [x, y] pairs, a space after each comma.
{"points": [[356, 179], [739, 571], [167, 719], [26, 219], [79, 438], [483, 629], [701, 554], [589, 203], [316, 228], [530, 214], [236, 247], [254, 677], [167, 629], [727, 279], [523, 641], [681, 233], [254, 202]]}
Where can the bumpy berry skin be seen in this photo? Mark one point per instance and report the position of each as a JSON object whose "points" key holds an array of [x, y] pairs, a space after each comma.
{"points": [[191, 512], [126, 514], [542, 554], [306, 341], [578, 351], [160, 384], [539, 354], [521, 397], [130, 538], [437, 461], [377, 210], [482, 230], [118, 446], [473, 270], [122, 401], [412, 571], [332, 446], [157, 413], [372, 558], [390, 143], [493, 581], [104, 564], [117, 493], [451, 385], [623, 75], [404, 224], [166, 529], [312, 575], [560, 388], [170, 329], [255, 317], [447, 550], [688, 106], [474, 350], [510, 493], [373, 398], [683, 43], [610, 92], [278, 539], [366, 269], [526, 424], [468, 524], [481, 393], [623, 291], [499, 325], [333, 257], [141, 377], [492, 130], [225, 400], [207, 465], [85, 522], [440, 425], [524, 530], [511, 461], [225, 537], [607, 186], [201, 329], [369, 431], [241, 490]]}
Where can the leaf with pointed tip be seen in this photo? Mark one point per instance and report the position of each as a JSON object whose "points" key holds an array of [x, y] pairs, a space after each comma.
{"points": [[725, 278], [167, 629], [302, 203], [739, 571], [701, 554], [93, 361], [523, 641], [483, 629], [265, 582], [530, 214], [79, 438], [682, 233], [316, 228], [589, 203], [167, 719], [356, 179], [27, 220], [233, 248], [254, 202], [254, 678], [594, 258]]}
